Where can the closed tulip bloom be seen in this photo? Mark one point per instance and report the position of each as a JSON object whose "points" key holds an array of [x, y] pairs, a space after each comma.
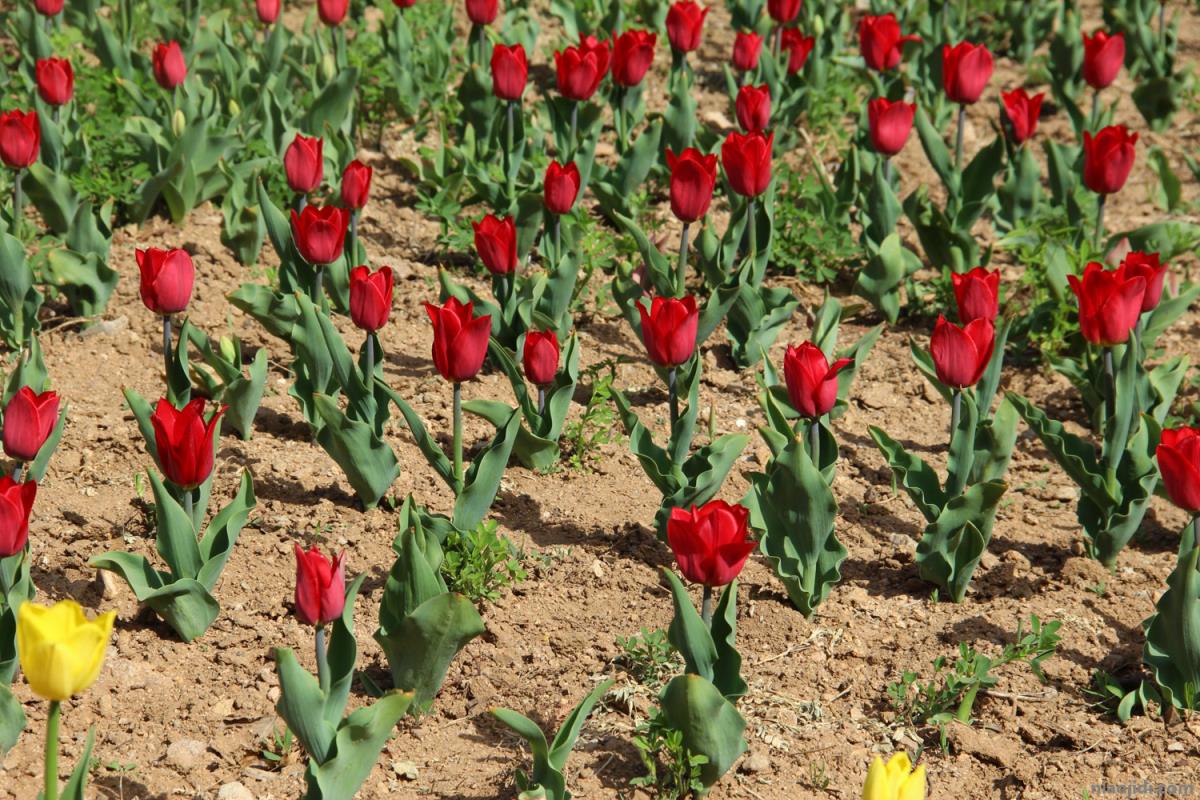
{"points": [[167, 277], [783, 11], [170, 69], [889, 124], [28, 421], [61, 651], [320, 233], [579, 70], [632, 54], [966, 70], [356, 185], [16, 502], [693, 177], [812, 382], [1022, 112], [510, 71], [1103, 56], [1110, 302], [1147, 266], [881, 43], [560, 187], [55, 80], [320, 586], [460, 339], [711, 543], [267, 10], [897, 780], [797, 46], [184, 441], [977, 294], [747, 161], [754, 108], [960, 355], [540, 357], [483, 12], [332, 12], [669, 329], [496, 243], [404, 3], [747, 46], [1179, 464], [304, 163], [370, 297], [20, 138], [1108, 158], [48, 8], [685, 22]]}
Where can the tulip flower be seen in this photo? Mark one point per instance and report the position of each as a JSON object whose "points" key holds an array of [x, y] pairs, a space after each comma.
{"points": [[267, 10], [403, 4], [510, 72], [460, 341], [1110, 302], [20, 138], [1022, 112], [977, 294], [747, 46], [320, 586], [61, 652], [304, 165], [166, 279], [320, 233], [540, 359], [560, 187], [685, 22], [356, 185], [16, 503], [1178, 456], [783, 11], [693, 177], [881, 43], [482, 12], [797, 46], [170, 69], [332, 12], [1107, 161], [184, 443], [711, 543], [632, 54], [897, 780], [669, 329], [753, 108], [1147, 265], [579, 70], [960, 355], [747, 161], [55, 81], [966, 69], [1103, 56], [889, 123], [812, 382], [496, 243], [370, 297], [29, 419], [48, 8]]}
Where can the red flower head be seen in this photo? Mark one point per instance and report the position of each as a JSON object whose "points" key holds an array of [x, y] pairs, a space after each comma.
{"points": [[685, 21], [483, 12], [747, 161], [28, 422], [669, 329], [880, 42], [977, 294], [510, 71], [693, 177], [1108, 158], [267, 10], [304, 164], [711, 543], [560, 188], [320, 233], [20, 138], [356, 185], [1179, 464], [55, 80], [16, 501], [754, 108], [1110, 302], [1103, 56], [48, 8], [1147, 266], [632, 54], [1022, 112], [332, 12], [966, 69], [370, 297], [579, 70], [890, 124], [960, 355], [496, 243], [320, 586], [460, 339], [167, 279], [184, 441], [170, 69], [797, 46], [783, 11], [747, 46], [540, 357], [404, 3], [812, 382]]}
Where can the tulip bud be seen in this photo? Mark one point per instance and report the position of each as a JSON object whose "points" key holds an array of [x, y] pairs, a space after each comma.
{"points": [[966, 70], [540, 357], [332, 12], [16, 503], [510, 71], [961, 355], [1110, 302], [711, 543], [579, 70], [880, 42], [48, 8], [356, 185], [370, 297], [977, 294], [28, 421], [889, 124], [61, 652], [747, 161], [320, 586], [632, 54], [20, 138], [167, 277], [304, 164], [460, 339], [267, 10], [783, 11], [496, 243], [747, 46], [482, 12], [560, 187], [178, 123], [55, 80], [1103, 56], [320, 233], [183, 441], [693, 177], [895, 781], [1022, 112], [685, 22], [229, 350], [1147, 266], [753, 108], [669, 329], [1108, 158], [1178, 456], [797, 46], [812, 382], [170, 68]]}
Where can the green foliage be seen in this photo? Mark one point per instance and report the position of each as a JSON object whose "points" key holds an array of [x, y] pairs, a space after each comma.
{"points": [[648, 655], [806, 245], [672, 773], [481, 562], [598, 426]]}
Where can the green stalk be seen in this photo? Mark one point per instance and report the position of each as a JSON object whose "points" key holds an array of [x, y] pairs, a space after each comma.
{"points": [[541, 400], [188, 505], [166, 341], [50, 772], [1099, 240], [557, 239], [18, 201], [18, 472], [814, 442], [681, 269], [1110, 386], [706, 606], [673, 395], [458, 439], [317, 288], [968, 702], [369, 368], [1094, 121], [574, 144], [958, 138], [751, 222], [955, 412], [352, 239], [508, 147], [322, 660]]}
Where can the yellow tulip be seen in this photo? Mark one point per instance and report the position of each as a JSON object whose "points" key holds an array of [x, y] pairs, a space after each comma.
{"points": [[60, 650], [895, 781]]}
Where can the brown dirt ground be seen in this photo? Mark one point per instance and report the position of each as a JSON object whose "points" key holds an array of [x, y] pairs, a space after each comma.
{"points": [[816, 705]]}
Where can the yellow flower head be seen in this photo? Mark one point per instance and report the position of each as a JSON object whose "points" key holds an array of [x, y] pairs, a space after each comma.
{"points": [[896, 781], [60, 650]]}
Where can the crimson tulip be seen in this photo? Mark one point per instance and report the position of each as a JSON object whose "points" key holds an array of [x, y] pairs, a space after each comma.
{"points": [[812, 382], [881, 43], [711, 543], [20, 138], [966, 69], [797, 46], [510, 71], [1147, 266], [267, 10], [561, 187], [693, 177], [28, 421], [783, 11], [320, 586], [1103, 56], [747, 46], [460, 339], [170, 68], [1178, 456], [356, 185], [404, 3], [496, 243], [1108, 158], [685, 22], [889, 124], [184, 441], [304, 163], [55, 80], [167, 277], [320, 233], [960, 355], [579, 70], [332, 12], [977, 294], [16, 502], [669, 329], [632, 54], [48, 8], [483, 12], [370, 297], [1022, 112], [747, 161], [540, 357], [1110, 302], [754, 108]]}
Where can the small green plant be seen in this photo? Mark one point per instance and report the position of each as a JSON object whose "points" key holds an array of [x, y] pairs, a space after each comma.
{"points": [[598, 425], [671, 771], [806, 246], [817, 779], [648, 656], [1119, 699], [481, 562], [278, 747]]}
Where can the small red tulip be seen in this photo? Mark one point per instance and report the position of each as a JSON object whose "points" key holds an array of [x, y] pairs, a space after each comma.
{"points": [[561, 187], [579, 70], [711, 543], [889, 123], [1022, 112], [16, 502], [496, 243], [55, 80], [167, 277], [404, 3], [797, 46], [966, 70], [540, 357], [460, 339], [28, 421], [1108, 158], [1147, 266], [320, 586], [783, 11], [483, 12], [693, 177], [632, 54], [48, 8], [977, 294], [370, 297], [170, 69], [332, 12], [510, 71], [960, 355], [184, 441], [1110, 302], [754, 108], [812, 382], [880, 42], [747, 46], [1179, 464], [356, 185], [669, 329], [320, 233], [685, 22], [20, 138], [747, 161], [267, 10], [1103, 56], [304, 163]]}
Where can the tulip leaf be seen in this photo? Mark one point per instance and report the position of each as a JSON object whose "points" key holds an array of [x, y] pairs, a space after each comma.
{"points": [[186, 606], [1074, 455], [654, 460], [425, 443], [961, 456], [882, 207], [342, 653], [357, 744], [709, 724], [994, 443], [756, 319], [702, 476], [680, 116], [275, 311], [222, 532], [727, 670], [952, 545], [989, 383], [300, 697], [879, 281], [41, 462], [1169, 309], [414, 577], [917, 477], [1164, 381], [142, 578], [12, 719], [688, 633], [979, 184], [1172, 649], [1109, 527], [482, 478], [367, 461], [936, 152], [176, 536], [1117, 430], [658, 267], [716, 307], [330, 111], [243, 395]]}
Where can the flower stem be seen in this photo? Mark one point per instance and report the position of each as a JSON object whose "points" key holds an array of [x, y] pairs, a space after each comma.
{"points": [[50, 773], [352, 239], [673, 395], [18, 202], [318, 280], [18, 472], [958, 138], [541, 400], [188, 505], [509, 124], [750, 221], [322, 660], [681, 269], [166, 341], [706, 606], [301, 202], [887, 171], [1110, 385], [1094, 120], [369, 367], [574, 144], [557, 239], [814, 442], [458, 443], [1099, 240], [955, 412]]}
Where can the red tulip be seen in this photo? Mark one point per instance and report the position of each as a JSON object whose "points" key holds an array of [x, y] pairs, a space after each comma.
{"points": [[304, 164], [880, 42], [579, 70], [889, 124], [1103, 56], [16, 501], [332, 12], [783, 11], [267, 10], [1147, 266], [510, 71], [540, 356], [1022, 112], [370, 297], [184, 441], [356, 185], [966, 69], [710, 543], [170, 69], [812, 382], [977, 294], [746, 48], [20, 138], [28, 422], [693, 177], [483, 12], [320, 233], [754, 108], [747, 161], [1110, 302], [561, 187], [1108, 158], [460, 339], [404, 3], [685, 21], [496, 243], [632, 54], [669, 329], [797, 46], [167, 277], [55, 80], [1179, 464], [960, 355], [320, 586], [48, 8]]}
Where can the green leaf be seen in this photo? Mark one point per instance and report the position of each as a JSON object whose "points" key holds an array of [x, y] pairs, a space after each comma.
{"points": [[176, 536], [482, 479], [951, 546], [1074, 455], [12, 719], [186, 606], [425, 443], [356, 747], [879, 281], [688, 633], [41, 462], [961, 456], [300, 699], [917, 477], [709, 723], [727, 671], [222, 532], [367, 461], [936, 152], [1172, 649]]}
